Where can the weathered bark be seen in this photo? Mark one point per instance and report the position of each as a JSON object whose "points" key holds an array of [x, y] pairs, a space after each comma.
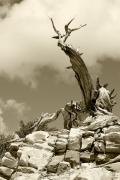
{"points": [[81, 73]]}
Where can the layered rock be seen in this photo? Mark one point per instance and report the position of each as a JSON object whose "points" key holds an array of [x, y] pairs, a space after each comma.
{"points": [[75, 139], [9, 161], [34, 157], [5, 171], [73, 154], [55, 161], [73, 157], [37, 136]]}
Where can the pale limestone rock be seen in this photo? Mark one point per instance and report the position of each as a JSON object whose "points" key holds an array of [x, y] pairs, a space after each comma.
{"points": [[51, 140], [112, 147], [64, 131], [95, 174], [6, 171], [111, 129], [63, 166], [102, 121], [53, 164], [44, 146], [2, 178], [88, 120], [113, 137], [37, 136], [116, 176], [113, 167], [67, 175], [75, 139], [64, 136], [38, 158], [61, 145], [9, 161], [62, 141], [9, 156], [24, 159], [87, 165], [25, 176], [73, 157]]}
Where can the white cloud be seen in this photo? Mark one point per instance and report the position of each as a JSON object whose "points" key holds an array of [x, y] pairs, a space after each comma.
{"points": [[2, 123], [20, 108], [7, 108], [25, 42]]}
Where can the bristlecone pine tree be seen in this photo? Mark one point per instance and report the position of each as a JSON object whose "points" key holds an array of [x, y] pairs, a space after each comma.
{"points": [[97, 100]]}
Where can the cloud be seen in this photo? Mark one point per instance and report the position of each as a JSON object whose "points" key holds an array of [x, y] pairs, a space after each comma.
{"points": [[5, 6], [11, 112], [2, 123], [25, 35]]}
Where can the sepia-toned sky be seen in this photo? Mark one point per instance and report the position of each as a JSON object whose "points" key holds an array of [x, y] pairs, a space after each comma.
{"points": [[33, 75]]}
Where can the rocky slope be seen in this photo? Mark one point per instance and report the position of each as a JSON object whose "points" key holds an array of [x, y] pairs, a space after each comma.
{"points": [[89, 152]]}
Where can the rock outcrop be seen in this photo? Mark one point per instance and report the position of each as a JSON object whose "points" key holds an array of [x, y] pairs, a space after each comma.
{"points": [[88, 152]]}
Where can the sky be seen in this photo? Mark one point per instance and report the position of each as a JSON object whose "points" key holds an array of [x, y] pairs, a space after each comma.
{"points": [[33, 75]]}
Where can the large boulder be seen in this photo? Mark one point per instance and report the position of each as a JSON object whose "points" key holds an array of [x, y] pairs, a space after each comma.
{"points": [[112, 142], [9, 161], [37, 158], [94, 174], [37, 136], [75, 139], [113, 167], [112, 147], [62, 141], [73, 157], [115, 128], [5, 171], [61, 145], [113, 137], [53, 164], [25, 176]]}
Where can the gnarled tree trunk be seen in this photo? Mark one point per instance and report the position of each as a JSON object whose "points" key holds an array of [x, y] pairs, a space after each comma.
{"points": [[81, 73]]}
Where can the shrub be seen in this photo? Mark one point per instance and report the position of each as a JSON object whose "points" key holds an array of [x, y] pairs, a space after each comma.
{"points": [[4, 143], [25, 128]]}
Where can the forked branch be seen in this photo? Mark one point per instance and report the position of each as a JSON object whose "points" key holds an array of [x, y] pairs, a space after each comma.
{"points": [[68, 31]]}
